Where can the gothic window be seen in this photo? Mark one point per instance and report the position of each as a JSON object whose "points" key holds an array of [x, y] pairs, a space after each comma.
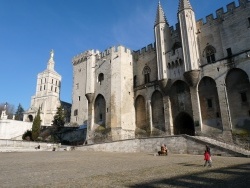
{"points": [[52, 81], [51, 88], [146, 72], [44, 87], [100, 78], [209, 53], [40, 88], [55, 89]]}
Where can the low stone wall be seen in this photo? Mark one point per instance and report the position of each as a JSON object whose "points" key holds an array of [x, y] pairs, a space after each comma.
{"points": [[26, 144], [181, 144]]}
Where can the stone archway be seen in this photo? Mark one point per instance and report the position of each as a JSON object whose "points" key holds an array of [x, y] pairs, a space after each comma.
{"points": [[209, 105], [238, 93], [142, 127], [100, 110], [158, 112], [184, 124], [30, 118]]}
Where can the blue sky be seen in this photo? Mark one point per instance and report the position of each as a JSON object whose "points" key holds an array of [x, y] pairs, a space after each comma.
{"points": [[29, 29]]}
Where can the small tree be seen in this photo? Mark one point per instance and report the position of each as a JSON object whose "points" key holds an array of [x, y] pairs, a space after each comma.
{"points": [[36, 126], [59, 118], [19, 113], [58, 123]]}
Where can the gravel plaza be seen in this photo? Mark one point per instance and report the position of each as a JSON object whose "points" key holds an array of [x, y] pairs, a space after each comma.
{"points": [[112, 169]]}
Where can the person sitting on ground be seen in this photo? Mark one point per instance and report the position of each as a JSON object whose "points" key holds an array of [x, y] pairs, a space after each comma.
{"points": [[164, 150]]}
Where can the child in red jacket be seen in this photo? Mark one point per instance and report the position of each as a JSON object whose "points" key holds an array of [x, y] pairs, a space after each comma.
{"points": [[207, 158]]}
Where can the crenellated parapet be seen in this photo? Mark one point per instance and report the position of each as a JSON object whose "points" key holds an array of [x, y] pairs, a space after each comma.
{"points": [[115, 49], [83, 56], [147, 49], [231, 8], [99, 55]]}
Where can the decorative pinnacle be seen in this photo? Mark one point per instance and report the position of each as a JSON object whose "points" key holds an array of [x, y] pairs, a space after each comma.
{"points": [[160, 16], [184, 4]]}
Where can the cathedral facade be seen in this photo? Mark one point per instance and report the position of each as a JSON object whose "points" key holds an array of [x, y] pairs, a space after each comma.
{"points": [[194, 79]]}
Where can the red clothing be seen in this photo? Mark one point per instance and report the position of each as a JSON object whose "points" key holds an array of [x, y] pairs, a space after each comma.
{"points": [[206, 156]]}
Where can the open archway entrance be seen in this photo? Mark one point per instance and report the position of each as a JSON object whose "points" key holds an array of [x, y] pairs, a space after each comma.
{"points": [[30, 118], [184, 124]]}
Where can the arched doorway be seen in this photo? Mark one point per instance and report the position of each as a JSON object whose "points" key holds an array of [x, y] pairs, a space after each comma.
{"points": [[100, 110], [158, 111], [209, 105], [184, 124], [238, 93], [142, 128], [30, 117]]}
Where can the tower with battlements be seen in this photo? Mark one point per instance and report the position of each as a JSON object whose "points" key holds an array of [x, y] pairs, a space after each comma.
{"points": [[193, 79]]}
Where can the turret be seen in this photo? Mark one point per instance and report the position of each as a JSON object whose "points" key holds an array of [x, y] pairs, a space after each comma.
{"points": [[189, 40], [163, 44]]}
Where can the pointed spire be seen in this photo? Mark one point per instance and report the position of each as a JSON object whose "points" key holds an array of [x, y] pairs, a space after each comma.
{"points": [[184, 4], [51, 63], [160, 16]]}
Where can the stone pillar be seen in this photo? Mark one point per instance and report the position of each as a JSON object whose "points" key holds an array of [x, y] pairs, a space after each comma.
{"points": [[168, 116], [149, 115], [196, 109], [225, 113], [90, 124]]}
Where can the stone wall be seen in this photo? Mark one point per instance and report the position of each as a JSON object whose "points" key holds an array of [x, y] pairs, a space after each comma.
{"points": [[181, 144], [12, 129]]}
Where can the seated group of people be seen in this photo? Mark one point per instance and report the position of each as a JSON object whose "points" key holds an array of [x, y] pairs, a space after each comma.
{"points": [[164, 150]]}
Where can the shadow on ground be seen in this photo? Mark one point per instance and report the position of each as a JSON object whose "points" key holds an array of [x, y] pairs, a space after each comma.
{"points": [[233, 176]]}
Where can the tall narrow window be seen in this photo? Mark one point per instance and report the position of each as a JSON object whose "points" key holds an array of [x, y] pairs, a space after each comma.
{"points": [[146, 72], [229, 52], [243, 97], [51, 88], [135, 80], [79, 98], [75, 112], [100, 78], [209, 103]]}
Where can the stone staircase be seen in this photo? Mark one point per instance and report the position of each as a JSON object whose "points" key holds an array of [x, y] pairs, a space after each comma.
{"points": [[222, 146]]}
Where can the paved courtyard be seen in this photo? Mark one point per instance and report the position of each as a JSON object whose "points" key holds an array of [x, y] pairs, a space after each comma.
{"points": [[102, 169]]}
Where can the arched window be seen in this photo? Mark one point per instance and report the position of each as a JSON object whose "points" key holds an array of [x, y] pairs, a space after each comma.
{"points": [[146, 72], [209, 53], [100, 78]]}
